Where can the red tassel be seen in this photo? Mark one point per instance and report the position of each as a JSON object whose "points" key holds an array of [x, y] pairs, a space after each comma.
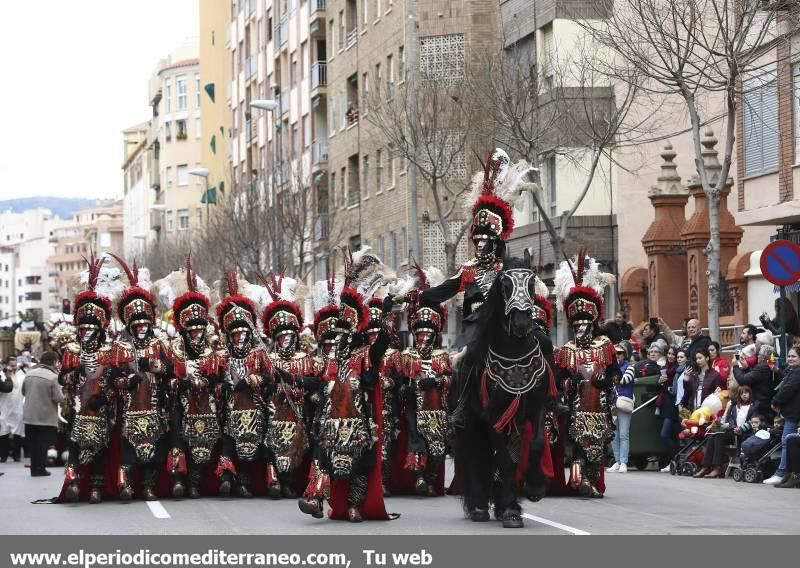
{"points": [[270, 475], [508, 416], [484, 391], [176, 462], [552, 391], [225, 464]]}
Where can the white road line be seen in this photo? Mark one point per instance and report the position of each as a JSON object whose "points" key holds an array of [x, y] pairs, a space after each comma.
{"points": [[544, 521], [158, 510]]}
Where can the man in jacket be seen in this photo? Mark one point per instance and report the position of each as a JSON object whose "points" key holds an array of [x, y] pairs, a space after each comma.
{"points": [[40, 413], [697, 341], [760, 379]]}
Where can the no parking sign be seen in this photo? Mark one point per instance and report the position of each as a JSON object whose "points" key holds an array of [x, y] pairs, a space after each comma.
{"points": [[780, 263]]}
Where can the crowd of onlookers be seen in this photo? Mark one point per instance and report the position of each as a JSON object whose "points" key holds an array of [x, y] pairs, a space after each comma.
{"points": [[741, 399]]}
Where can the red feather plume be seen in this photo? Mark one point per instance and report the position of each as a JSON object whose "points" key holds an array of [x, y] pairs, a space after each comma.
{"points": [[132, 273]]}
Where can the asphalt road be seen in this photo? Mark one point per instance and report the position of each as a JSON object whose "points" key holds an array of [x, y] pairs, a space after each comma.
{"points": [[646, 502]]}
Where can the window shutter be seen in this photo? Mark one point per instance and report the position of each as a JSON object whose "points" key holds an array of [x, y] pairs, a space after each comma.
{"points": [[796, 108], [760, 115]]}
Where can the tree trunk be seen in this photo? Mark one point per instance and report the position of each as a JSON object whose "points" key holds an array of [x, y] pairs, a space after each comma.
{"points": [[713, 270], [450, 250]]}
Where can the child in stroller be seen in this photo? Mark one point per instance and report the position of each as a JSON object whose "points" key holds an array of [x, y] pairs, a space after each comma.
{"points": [[760, 453]]}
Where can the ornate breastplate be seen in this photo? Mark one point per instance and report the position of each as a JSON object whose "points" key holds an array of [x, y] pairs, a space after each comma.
{"points": [[516, 376]]}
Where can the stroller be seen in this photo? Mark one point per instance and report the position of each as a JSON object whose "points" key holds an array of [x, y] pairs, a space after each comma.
{"points": [[756, 467], [690, 455]]}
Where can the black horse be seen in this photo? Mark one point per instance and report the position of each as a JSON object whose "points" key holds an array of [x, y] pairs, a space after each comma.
{"points": [[501, 386]]}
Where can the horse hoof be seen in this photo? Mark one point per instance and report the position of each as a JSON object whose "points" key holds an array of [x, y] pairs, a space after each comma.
{"points": [[479, 516], [225, 489], [512, 520], [535, 494]]}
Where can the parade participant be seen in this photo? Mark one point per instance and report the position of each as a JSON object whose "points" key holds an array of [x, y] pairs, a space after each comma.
{"points": [[246, 390], [390, 377], [427, 368], [349, 475], [85, 370], [286, 438], [142, 368], [195, 419], [587, 365]]}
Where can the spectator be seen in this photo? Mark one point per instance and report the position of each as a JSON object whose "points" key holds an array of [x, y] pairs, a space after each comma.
{"points": [[760, 378], [652, 333], [754, 445], [623, 411], [787, 402], [748, 335], [773, 325], [701, 382], [792, 444], [40, 414], [720, 364], [619, 329], [12, 429], [735, 422], [697, 341], [676, 364]]}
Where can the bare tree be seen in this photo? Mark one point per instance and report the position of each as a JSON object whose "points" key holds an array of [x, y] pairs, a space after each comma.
{"points": [[429, 126], [694, 50], [561, 104]]}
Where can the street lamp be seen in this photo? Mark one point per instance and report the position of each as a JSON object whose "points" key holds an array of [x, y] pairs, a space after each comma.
{"points": [[271, 105], [203, 173]]}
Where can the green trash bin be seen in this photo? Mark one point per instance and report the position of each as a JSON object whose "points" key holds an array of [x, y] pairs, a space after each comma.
{"points": [[645, 437]]}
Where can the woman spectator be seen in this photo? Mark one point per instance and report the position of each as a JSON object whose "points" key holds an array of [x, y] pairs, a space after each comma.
{"points": [[623, 411], [792, 322], [734, 423], [718, 362], [792, 444], [761, 378], [701, 382], [787, 402], [676, 365]]}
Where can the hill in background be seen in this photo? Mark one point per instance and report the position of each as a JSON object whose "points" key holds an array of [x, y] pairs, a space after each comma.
{"points": [[63, 207]]}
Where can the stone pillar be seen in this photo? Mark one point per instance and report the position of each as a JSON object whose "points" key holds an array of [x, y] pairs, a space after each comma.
{"points": [[666, 257], [632, 288], [696, 232]]}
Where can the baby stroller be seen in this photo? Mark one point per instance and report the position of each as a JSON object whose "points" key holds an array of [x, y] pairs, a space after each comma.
{"points": [[690, 455], [758, 466]]}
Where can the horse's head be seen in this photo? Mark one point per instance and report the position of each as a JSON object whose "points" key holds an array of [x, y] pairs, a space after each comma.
{"points": [[516, 284]]}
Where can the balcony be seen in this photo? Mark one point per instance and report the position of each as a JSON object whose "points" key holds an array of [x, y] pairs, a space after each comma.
{"points": [[319, 74], [321, 227], [319, 152], [281, 34], [352, 38], [251, 66]]}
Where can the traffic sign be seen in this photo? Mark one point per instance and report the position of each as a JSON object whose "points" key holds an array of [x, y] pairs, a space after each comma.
{"points": [[780, 262]]}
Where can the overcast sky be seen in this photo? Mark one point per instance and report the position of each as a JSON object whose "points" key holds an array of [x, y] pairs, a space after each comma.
{"points": [[74, 75]]}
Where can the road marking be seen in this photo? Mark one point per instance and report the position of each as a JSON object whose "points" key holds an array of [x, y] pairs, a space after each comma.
{"points": [[566, 528], [158, 510]]}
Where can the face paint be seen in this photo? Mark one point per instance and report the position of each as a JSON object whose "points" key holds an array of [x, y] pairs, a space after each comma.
{"points": [[423, 340], [372, 336], [140, 330], [287, 342]]}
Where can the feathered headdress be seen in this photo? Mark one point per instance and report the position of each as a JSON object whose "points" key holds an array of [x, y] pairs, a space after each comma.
{"points": [[235, 311], [580, 285], [190, 310], [542, 308], [325, 297], [137, 303], [494, 190], [422, 317], [282, 314], [90, 307], [365, 272]]}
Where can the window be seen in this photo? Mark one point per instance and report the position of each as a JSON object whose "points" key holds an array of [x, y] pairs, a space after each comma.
{"points": [[366, 15], [332, 28], [197, 89], [183, 174], [390, 171], [293, 71], [342, 32], [183, 219], [550, 165], [167, 131], [366, 178], [168, 176], [377, 9], [306, 131], [295, 140], [199, 217], [333, 185], [365, 92], [332, 106], [796, 105], [303, 58], [441, 59], [168, 95], [197, 127], [342, 193], [390, 69], [381, 247], [404, 241], [401, 71], [169, 221], [180, 87], [180, 129], [760, 117], [393, 249], [379, 171]]}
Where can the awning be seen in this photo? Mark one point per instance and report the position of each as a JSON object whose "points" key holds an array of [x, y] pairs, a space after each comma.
{"points": [[209, 196]]}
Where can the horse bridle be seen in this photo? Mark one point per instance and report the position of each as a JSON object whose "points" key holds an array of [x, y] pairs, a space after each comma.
{"points": [[521, 298]]}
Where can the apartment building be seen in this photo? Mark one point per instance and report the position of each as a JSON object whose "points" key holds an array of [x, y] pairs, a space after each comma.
{"points": [[97, 230], [138, 196], [174, 139], [26, 279]]}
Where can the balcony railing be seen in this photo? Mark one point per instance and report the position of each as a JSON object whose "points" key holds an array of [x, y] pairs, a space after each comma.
{"points": [[282, 32], [317, 6], [352, 38], [319, 74], [251, 66], [321, 227], [319, 152], [284, 101]]}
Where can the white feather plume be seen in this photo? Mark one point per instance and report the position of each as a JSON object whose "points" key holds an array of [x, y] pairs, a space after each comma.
{"points": [[111, 282], [540, 287], [319, 294], [173, 285], [506, 183], [593, 278]]}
